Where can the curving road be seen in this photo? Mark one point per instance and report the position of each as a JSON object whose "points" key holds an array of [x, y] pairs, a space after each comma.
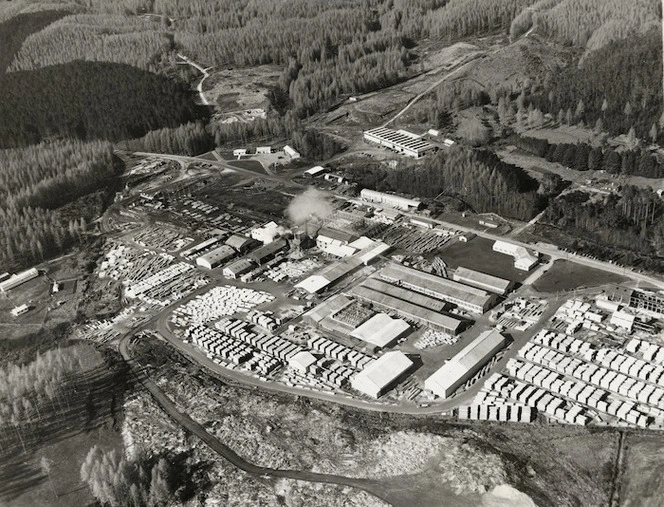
{"points": [[184, 420]]}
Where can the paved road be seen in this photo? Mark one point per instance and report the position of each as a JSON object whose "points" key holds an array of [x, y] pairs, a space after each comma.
{"points": [[229, 454]]}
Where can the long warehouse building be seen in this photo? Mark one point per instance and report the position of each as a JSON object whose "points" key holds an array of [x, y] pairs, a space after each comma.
{"points": [[464, 296], [400, 141], [18, 279], [391, 200], [483, 281], [382, 374], [408, 310], [461, 368]]}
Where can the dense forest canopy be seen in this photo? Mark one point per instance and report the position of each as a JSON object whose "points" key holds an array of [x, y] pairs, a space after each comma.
{"points": [[89, 101], [483, 181], [34, 181], [620, 84]]}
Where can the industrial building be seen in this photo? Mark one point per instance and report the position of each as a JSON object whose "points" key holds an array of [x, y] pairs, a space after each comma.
{"points": [[400, 141], [20, 310], [238, 268], [335, 242], [461, 368], [263, 150], [523, 259], [216, 257], [267, 252], [428, 302], [409, 310], [640, 299], [291, 153], [482, 280], [267, 233], [329, 275], [200, 247], [464, 296], [382, 374], [315, 171], [239, 242], [18, 279], [381, 330], [394, 201]]}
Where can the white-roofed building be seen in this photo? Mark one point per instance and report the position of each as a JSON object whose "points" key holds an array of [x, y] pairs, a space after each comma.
{"points": [[623, 319], [381, 330], [267, 233], [381, 375], [302, 361], [20, 310], [291, 153], [18, 279], [315, 171], [394, 201], [400, 141], [523, 259], [452, 375], [264, 150], [313, 284]]}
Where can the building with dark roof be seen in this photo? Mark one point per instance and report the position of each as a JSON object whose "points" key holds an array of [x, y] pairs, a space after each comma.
{"points": [[464, 296], [267, 252]]}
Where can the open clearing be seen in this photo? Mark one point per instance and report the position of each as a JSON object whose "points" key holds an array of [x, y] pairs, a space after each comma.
{"points": [[565, 275], [643, 483], [241, 89], [478, 254]]}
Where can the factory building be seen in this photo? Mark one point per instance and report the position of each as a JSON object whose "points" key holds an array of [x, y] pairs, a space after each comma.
{"points": [[335, 242], [382, 374], [263, 150], [464, 296], [267, 233], [523, 259], [409, 310], [329, 275], [239, 242], [641, 300], [267, 252], [381, 330], [428, 302], [216, 257], [18, 279], [238, 268], [461, 368], [394, 201], [482, 281], [400, 141], [201, 247]]}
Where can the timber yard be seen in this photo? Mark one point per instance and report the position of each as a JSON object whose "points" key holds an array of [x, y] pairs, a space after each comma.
{"points": [[290, 282]]}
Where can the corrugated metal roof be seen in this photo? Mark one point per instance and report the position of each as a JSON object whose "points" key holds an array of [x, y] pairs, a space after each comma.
{"points": [[382, 372], [381, 330], [484, 280]]}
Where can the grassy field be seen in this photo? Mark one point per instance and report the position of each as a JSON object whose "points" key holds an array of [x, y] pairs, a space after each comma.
{"points": [[642, 483], [478, 254], [566, 275]]}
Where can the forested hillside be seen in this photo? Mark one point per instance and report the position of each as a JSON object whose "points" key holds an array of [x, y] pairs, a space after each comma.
{"points": [[14, 32], [110, 38], [89, 101], [484, 182], [632, 222], [620, 85], [36, 180]]}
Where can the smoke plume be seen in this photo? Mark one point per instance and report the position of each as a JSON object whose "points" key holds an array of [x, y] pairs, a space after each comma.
{"points": [[312, 203]]}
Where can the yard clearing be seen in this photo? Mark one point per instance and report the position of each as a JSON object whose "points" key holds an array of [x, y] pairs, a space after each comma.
{"points": [[478, 254], [566, 275]]}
